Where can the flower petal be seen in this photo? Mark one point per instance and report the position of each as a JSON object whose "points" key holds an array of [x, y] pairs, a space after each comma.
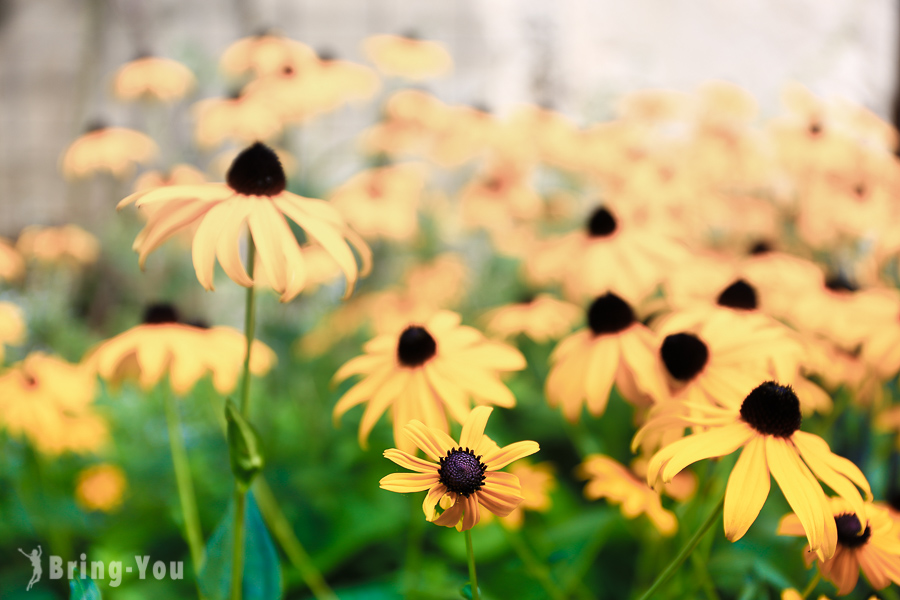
{"points": [[433, 443], [720, 441], [473, 428], [410, 462], [408, 482], [503, 456], [747, 490]]}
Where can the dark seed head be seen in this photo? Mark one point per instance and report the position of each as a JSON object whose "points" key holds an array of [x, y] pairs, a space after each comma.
{"points": [[155, 314], [815, 128], [848, 527], [602, 223], [257, 172], [740, 295], [760, 247], [772, 409], [609, 314], [411, 34], [840, 283], [416, 346], [684, 355], [95, 125], [327, 54], [461, 471]]}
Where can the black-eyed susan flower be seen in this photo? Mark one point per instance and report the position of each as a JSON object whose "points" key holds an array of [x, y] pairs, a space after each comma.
{"points": [[12, 327], [408, 56], [67, 244], [12, 265], [180, 174], [609, 479], [153, 77], [265, 54], [162, 346], [115, 150], [870, 544], [242, 118], [541, 318], [254, 194], [767, 426], [412, 119], [425, 372], [614, 348], [100, 488], [469, 132], [537, 481], [49, 401], [464, 476]]}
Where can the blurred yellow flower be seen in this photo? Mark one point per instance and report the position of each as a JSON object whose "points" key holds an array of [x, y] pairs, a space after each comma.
{"points": [[12, 327], [254, 193], [536, 481], [67, 244], [243, 119], [180, 174], [265, 54], [153, 77], [12, 265], [100, 488], [116, 150], [541, 318], [408, 56]]}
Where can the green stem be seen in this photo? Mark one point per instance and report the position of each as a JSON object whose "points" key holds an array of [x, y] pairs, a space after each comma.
{"points": [[535, 567], [183, 480], [811, 586], [473, 578], [237, 552], [281, 529], [685, 551]]}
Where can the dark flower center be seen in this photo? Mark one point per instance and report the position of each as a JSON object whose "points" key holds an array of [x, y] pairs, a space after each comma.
{"points": [[609, 314], [772, 409], [848, 527], [416, 346], [684, 355], [327, 54], [815, 128], [760, 247], [96, 125], [740, 295], [840, 283], [257, 172], [461, 471], [160, 313], [602, 223]]}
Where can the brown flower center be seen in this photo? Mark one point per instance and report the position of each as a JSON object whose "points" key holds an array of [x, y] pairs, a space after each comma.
{"points": [[602, 223], [609, 314], [848, 527], [684, 355], [772, 409], [257, 172], [740, 295], [160, 313], [416, 346], [461, 471]]}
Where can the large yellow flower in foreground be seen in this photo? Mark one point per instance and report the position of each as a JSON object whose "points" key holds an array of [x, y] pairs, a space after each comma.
{"points": [[426, 371], [875, 550], [464, 477], [254, 194], [162, 346], [767, 426]]}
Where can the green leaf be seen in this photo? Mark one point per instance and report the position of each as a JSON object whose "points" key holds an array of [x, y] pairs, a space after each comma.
{"points": [[466, 591], [83, 589], [244, 448], [262, 570]]}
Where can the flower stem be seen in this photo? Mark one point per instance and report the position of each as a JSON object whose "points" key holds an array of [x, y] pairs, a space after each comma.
{"points": [[685, 551], [811, 586], [237, 553], [281, 529], [473, 578], [186, 496]]}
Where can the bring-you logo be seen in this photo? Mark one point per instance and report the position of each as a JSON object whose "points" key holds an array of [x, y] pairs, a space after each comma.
{"points": [[98, 570]]}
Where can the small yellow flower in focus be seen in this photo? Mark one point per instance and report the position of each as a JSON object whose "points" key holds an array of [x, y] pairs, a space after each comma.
{"points": [[162, 346], [153, 77], [609, 479], [68, 244], [542, 318], [464, 477], [100, 488], [12, 327], [255, 194], [49, 401], [12, 265], [408, 56], [116, 150]]}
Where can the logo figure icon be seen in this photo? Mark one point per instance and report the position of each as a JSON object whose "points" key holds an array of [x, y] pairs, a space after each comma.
{"points": [[35, 558]]}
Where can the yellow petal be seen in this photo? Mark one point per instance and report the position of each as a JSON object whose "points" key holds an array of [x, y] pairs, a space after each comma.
{"points": [[747, 490], [473, 428]]}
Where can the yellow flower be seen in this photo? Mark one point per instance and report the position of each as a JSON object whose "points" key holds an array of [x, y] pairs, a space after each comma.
{"points": [[12, 265], [870, 544], [244, 119], [66, 244], [12, 327], [408, 56], [49, 401], [426, 371], [542, 318], [609, 479], [113, 149], [180, 174], [265, 54], [254, 193], [464, 477], [767, 426], [162, 346], [614, 348], [536, 481], [153, 77], [100, 488]]}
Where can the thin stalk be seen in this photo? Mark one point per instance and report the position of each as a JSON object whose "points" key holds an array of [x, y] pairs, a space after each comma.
{"points": [[811, 586], [473, 578], [535, 567], [685, 551], [184, 482], [237, 551], [281, 529]]}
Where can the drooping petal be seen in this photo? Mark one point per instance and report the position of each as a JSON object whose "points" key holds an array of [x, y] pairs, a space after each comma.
{"points": [[814, 454], [389, 391], [747, 490], [451, 516], [433, 496], [410, 462], [470, 513], [709, 444]]}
